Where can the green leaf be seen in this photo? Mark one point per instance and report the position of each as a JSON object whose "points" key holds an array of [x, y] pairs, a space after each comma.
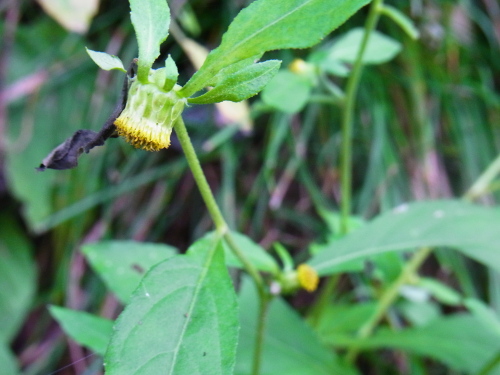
{"points": [[463, 342], [483, 312], [287, 92], [267, 25], [151, 20], [106, 61], [401, 20], [122, 264], [471, 229], [182, 319], [255, 254], [290, 345], [172, 74], [380, 48], [17, 278], [240, 85], [440, 291], [343, 318], [8, 361], [86, 329], [231, 69]]}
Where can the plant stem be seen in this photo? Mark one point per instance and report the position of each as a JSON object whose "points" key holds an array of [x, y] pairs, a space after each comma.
{"points": [[348, 114], [199, 176], [259, 336], [389, 297], [223, 230], [483, 183], [213, 209]]}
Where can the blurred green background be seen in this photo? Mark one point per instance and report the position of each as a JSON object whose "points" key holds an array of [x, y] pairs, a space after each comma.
{"points": [[427, 125]]}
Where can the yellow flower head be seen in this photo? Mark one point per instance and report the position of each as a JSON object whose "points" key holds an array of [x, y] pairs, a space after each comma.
{"points": [[149, 116], [308, 277]]}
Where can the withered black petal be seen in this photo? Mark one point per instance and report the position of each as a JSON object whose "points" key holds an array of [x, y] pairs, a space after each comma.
{"points": [[65, 156]]}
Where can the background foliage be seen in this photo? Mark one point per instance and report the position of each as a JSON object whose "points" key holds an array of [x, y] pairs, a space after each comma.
{"points": [[426, 127]]}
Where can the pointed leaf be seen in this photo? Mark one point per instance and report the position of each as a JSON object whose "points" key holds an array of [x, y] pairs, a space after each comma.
{"points": [[151, 20], [469, 228], [240, 85], [267, 25], [122, 264], [182, 319], [86, 329], [106, 61]]}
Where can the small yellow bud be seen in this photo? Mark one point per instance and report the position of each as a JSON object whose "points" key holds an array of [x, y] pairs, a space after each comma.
{"points": [[298, 66], [308, 277]]}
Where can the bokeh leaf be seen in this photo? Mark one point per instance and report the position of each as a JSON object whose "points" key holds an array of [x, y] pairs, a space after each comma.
{"points": [[469, 228], [380, 48], [72, 15], [17, 278], [463, 342], [287, 92], [151, 20], [122, 264], [86, 329], [240, 85], [182, 319], [8, 361], [267, 25]]}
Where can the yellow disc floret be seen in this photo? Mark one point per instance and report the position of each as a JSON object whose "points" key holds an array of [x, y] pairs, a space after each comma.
{"points": [[308, 277], [149, 115]]}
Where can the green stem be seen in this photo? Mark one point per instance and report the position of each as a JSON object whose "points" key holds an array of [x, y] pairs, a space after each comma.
{"points": [[223, 230], [483, 183], [213, 209], [259, 336], [199, 177], [348, 114], [389, 297]]}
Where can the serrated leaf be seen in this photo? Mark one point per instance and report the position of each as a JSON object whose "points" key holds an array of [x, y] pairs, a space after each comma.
{"points": [[241, 85], [463, 342], [380, 48], [287, 92], [290, 345], [17, 277], [151, 20], [471, 229], [122, 264], [86, 329], [182, 319], [255, 254], [267, 25], [106, 61]]}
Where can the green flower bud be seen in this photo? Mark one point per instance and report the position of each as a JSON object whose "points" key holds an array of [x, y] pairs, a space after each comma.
{"points": [[149, 115]]}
